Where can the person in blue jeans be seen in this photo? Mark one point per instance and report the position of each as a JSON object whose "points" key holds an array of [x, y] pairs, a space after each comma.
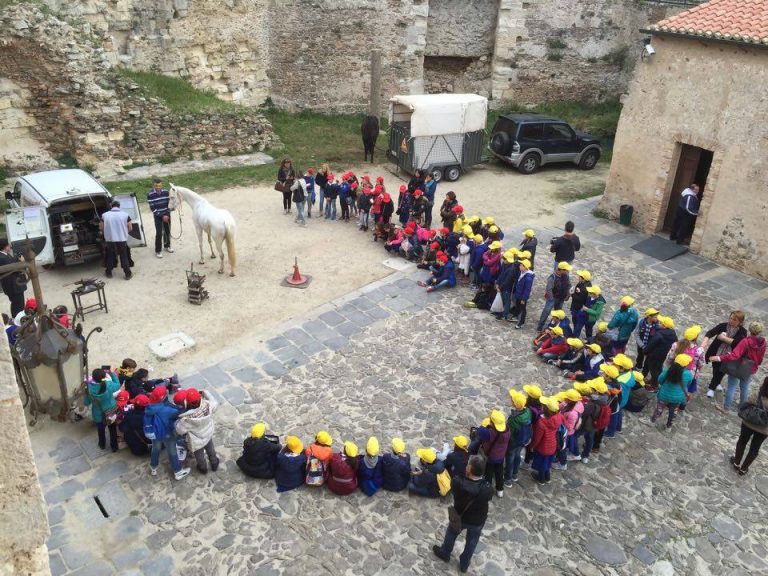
{"points": [[163, 416], [750, 348], [521, 429], [100, 397], [443, 274], [331, 194], [471, 494]]}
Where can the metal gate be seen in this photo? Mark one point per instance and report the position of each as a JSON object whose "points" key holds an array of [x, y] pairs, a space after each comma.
{"points": [[401, 146]]}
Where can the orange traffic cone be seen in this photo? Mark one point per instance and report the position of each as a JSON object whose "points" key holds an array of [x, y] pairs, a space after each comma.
{"points": [[296, 279]]}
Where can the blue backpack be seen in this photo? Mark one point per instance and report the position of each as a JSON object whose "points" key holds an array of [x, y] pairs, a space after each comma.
{"points": [[562, 437], [524, 434], [153, 427]]}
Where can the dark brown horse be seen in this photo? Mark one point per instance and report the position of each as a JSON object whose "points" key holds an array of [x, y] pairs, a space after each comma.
{"points": [[370, 131]]}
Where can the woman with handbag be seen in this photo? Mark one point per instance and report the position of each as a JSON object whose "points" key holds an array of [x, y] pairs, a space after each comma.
{"points": [[104, 411], [742, 363], [286, 176], [721, 340], [754, 427]]}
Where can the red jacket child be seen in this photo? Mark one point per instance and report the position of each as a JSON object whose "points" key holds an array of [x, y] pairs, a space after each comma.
{"points": [[544, 440], [557, 346]]}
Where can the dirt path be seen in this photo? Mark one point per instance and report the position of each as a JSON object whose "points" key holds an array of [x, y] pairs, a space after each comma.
{"points": [[336, 254]]}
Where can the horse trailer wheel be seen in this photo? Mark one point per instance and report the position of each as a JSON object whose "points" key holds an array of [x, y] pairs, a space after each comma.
{"points": [[529, 164], [437, 174], [452, 173]]}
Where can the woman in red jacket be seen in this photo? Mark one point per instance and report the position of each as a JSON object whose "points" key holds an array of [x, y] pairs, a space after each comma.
{"points": [[342, 470], [751, 348], [544, 442]]}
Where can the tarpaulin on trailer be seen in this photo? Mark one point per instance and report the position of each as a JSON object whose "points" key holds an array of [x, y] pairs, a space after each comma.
{"points": [[438, 114]]}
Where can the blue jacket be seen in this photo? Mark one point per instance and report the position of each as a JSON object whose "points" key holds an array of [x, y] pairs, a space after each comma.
{"points": [[167, 415], [446, 272], [289, 470], [428, 478], [506, 276], [429, 191], [476, 258], [395, 471], [627, 381], [689, 202], [343, 192], [524, 286], [672, 393], [566, 326], [456, 462], [104, 401], [625, 321], [452, 245], [370, 478]]}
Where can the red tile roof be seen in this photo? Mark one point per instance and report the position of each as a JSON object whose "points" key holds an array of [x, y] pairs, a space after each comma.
{"points": [[742, 21]]}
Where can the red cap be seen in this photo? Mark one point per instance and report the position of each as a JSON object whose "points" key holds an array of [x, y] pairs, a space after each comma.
{"points": [[403, 188], [141, 400], [378, 189], [432, 233], [440, 254], [353, 185], [368, 191], [418, 193], [30, 303], [387, 197], [434, 245], [122, 398], [444, 231], [310, 171], [193, 397], [331, 176], [180, 397], [367, 178], [458, 209], [158, 394], [442, 258], [380, 179]]}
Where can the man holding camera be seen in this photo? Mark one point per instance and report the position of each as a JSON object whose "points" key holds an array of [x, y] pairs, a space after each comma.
{"points": [[565, 247]]}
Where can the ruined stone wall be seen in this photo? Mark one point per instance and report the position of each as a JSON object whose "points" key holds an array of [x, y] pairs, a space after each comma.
{"points": [[461, 28], [677, 99]]}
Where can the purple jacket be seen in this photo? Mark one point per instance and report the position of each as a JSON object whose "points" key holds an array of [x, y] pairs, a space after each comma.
{"points": [[495, 450]]}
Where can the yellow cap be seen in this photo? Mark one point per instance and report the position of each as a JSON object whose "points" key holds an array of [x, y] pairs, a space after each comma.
{"points": [[461, 441], [583, 388], [488, 220], [666, 321], [598, 385], [551, 403], [557, 331], [692, 333], [474, 219], [509, 257], [572, 395], [595, 290], [467, 230], [350, 449], [427, 454], [683, 360], [324, 438], [560, 396], [559, 314], [532, 390], [372, 448], [493, 229], [610, 371], [584, 275], [602, 326], [627, 301], [595, 348], [651, 312], [529, 233], [258, 429], [518, 398], [639, 378], [485, 423], [294, 444], [495, 245], [623, 361], [564, 266], [575, 342], [398, 446], [498, 420], [478, 238], [524, 254], [525, 263]]}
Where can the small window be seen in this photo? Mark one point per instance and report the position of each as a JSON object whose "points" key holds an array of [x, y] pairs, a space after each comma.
{"points": [[530, 132], [559, 131]]}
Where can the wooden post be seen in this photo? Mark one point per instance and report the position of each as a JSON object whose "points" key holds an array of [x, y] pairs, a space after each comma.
{"points": [[374, 99]]}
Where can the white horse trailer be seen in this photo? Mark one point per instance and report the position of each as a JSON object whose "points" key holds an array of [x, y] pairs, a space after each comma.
{"points": [[438, 133], [59, 211]]}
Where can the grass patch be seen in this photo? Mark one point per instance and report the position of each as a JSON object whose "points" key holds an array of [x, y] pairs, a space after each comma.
{"points": [[573, 194], [556, 44]]}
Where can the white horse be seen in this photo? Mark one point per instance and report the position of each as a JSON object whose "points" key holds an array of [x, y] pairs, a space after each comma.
{"points": [[214, 222]]}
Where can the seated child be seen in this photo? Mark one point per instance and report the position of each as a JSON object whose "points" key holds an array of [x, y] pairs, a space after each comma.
{"points": [[456, 461], [553, 347], [590, 364], [396, 467], [573, 357], [259, 453], [342, 471], [319, 455], [370, 469], [424, 478], [638, 396], [290, 465]]}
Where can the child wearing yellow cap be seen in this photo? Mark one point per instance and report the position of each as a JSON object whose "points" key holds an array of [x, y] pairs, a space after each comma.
{"points": [[689, 345], [571, 407], [673, 388], [476, 260], [259, 453], [520, 434], [593, 308], [491, 263], [396, 467], [494, 441], [370, 471], [456, 460], [544, 441], [623, 323], [579, 297], [553, 347], [646, 328], [533, 395], [318, 456], [529, 243], [556, 292], [342, 471], [290, 466], [638, 396], [424, 478]]}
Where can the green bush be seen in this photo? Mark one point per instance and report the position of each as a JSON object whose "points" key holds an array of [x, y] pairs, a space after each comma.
{"points": [[556, 44]]}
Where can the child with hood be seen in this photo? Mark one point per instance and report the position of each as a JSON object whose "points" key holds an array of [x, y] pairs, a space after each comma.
{"points": [[456, 460], [197, 424], [533, 395], [593, 308], [624, 321], [342, 472], [571, 408], [522, 292], [290, 465], [396, 467], [424, 477], [132, 426], [476, 260], [494, 440], [465, 247], [520, 434], [160, 421], [370, 476], [100, 396], [319, 455], [260, 452], [491, 263], [544, 442]]}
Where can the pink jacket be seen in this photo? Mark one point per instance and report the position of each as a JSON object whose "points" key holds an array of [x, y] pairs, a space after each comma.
{"points": [[422, 234], [572, 417]]}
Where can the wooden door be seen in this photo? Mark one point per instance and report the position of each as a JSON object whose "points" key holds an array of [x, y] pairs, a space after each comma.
{"points": [[686, 172]]}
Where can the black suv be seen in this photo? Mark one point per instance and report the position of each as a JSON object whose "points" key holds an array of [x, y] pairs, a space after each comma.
{"points": [[528, 141]]}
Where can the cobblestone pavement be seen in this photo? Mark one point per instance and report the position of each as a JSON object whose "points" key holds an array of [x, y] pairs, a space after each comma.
{"points": [[392, 360]]}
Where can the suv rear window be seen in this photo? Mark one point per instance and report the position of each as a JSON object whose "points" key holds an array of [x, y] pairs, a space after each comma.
{"points": [[506, 125], [530, 131]]}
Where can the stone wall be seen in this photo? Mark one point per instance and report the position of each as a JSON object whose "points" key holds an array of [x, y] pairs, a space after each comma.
{"points": [[677, 99], [457, 74], [461, 28]]}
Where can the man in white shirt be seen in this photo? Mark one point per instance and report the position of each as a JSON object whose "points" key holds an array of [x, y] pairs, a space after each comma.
{"points": [[116, 225]]}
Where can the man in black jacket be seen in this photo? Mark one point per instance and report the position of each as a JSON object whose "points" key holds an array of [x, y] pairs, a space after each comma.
{"points": [[471, 494], [13, 285], [565, 247]]}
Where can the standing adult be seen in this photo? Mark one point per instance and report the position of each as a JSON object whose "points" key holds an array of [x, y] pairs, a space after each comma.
{"points": [[158, 199], [430, 187], [447, 215], [685, 217], [116, 225], [722, 339], [13, 284], [751, 430], [565, 247], [556, 292], [750, 350], [322, 183], [286, 176], [299, 197], [471, 494]]}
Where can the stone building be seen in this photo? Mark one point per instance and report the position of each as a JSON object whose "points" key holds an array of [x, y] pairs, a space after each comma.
{"points": [[696, 112]]}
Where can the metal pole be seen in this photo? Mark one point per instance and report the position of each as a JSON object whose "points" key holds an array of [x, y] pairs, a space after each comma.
{"points": [[374, 99]]}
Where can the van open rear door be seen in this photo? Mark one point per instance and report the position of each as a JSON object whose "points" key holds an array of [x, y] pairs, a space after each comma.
{"points": [[130, 205], [30, 223]]}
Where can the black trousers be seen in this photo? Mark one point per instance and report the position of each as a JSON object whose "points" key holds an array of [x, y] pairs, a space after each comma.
{"points": [[162, 233], [746, 435], [654, 365], [344, 210], [287, 200], [717, 375], [681, 225], [428, 216], [495, 471], [102, 426], [640, 363], [520, 310], [115, 250], [17, 302]]}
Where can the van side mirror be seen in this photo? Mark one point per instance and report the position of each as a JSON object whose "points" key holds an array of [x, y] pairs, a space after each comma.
{"points": [[9, 196]]}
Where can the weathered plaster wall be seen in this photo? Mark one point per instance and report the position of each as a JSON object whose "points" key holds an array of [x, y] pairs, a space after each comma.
{"points": [[677, 98]]}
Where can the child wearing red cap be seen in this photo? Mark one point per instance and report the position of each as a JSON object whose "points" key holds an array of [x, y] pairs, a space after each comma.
{"points": [[443, 274], [344, 199], [404, 202], [459, 221], [387, 208], [331, 194], [392, 245], [447, 215], [197, 423], [132, 426], [363, 208], [419, 206], [160, 427]]}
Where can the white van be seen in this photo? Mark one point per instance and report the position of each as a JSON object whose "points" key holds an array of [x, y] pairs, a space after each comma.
{"points": [[59, 212]]}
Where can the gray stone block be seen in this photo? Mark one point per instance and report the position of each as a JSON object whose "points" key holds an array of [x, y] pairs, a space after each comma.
{"points": [[298, 336], [360, 318], [262, 356], [224, 542], [248, 374], [215, 376], [378, 313], [397, 304], [362, 303], [235, 395], [348, 329], [336, 343], [287, 353], [274, 368], [160, 513], [107, 473], [312, 348], [162, 564], [130, 527], [58, 537], [296, 361], [114, 499], [195, 380], [73, 467], [63, 492], [65, 450], [644, 555], [331, 318], [76, 556], [55, 515], [276, 343], [319, 329], [234, 363], [56, 563], [124, 559], [98, 568]]}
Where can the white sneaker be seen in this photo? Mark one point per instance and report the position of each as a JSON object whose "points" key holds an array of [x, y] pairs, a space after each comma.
{"points": [[572, 458], [559, 466], [500, 493], [719, 388], [169, 250], [585, 460], [153, 471], [710, 393], [159, 254], [182, 473]]}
